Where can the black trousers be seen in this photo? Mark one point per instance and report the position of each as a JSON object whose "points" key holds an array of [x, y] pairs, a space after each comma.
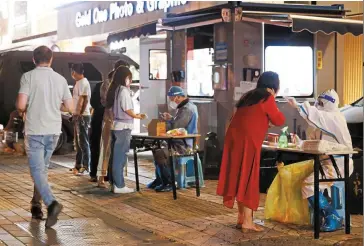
{"points": [[95, 138]]}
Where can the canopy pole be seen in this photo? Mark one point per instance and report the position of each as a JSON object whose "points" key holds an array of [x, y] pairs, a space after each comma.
{"points": [[335, 61], [172, 55]]}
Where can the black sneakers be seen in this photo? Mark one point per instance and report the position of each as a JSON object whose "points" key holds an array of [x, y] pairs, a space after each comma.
{"points": [[53, 211], [36, 213], [164, 188]]}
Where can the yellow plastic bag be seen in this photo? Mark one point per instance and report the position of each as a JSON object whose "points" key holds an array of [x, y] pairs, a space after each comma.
{"points": [[284, 202]]}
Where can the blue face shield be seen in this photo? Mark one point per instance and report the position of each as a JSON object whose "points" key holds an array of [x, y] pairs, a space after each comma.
{"points": [[320, 103]]}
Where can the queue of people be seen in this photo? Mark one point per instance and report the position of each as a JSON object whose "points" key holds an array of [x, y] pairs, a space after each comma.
{"points": [[113, 121]]}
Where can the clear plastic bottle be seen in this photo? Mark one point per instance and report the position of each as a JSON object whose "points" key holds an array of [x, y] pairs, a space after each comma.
{"points": [[283, 139]]}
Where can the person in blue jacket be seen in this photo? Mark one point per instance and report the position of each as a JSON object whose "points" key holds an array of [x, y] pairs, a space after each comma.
{"points": [[186, 117]]}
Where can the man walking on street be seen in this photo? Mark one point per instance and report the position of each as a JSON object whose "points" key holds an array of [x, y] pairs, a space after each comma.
{"points": [[81, 119], [42, 95]]}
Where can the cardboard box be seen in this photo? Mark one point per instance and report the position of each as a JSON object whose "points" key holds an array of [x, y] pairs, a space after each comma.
{"points": [[156, 127]]}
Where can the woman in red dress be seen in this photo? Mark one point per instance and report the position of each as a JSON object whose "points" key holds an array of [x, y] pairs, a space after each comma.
{"points": [[239, 172]]}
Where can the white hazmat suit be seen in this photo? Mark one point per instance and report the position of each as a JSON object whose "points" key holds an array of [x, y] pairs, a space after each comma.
{"points": [[329, 124], [326, 118]]}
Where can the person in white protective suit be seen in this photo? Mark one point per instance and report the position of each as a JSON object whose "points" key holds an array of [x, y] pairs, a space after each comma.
{"points": [[329, 124]]}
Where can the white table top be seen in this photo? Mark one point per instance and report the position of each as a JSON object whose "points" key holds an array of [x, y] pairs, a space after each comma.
{"points": [[296, 150], [145, 135]]}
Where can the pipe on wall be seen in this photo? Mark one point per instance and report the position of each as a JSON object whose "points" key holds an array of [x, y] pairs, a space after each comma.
{"points": [[335, 62]]}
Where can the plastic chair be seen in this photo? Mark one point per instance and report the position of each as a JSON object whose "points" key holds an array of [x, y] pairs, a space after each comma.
{"points": [[185, 172]]}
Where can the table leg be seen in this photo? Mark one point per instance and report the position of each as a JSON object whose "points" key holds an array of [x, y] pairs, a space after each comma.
{"points": [[195, 164], [172, 170], [136, 166], [316, 198], [346, 177]]}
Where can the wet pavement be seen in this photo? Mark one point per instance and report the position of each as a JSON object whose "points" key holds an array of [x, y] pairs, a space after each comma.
{"points": [[94, 216]]}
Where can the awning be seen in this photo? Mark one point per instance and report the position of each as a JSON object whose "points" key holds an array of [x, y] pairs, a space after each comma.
{"points": [[144, 30], [312, 24], [297, 17], [326, 25], [190, 19]]}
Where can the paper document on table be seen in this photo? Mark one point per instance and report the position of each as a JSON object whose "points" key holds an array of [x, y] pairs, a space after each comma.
{"points": [[323, 146], [247, 86]]}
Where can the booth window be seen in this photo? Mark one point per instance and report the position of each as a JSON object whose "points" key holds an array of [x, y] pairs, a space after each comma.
{"points": [[199, 72], [290, 55], [157, 64], [294, 65]]}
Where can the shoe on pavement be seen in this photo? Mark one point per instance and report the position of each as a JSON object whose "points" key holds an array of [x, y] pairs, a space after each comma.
{"points": [[82, 172], [124, 190], [153, 184], [93, 179], [164, 188], [74, 171], [53, 211], [36, 213]]}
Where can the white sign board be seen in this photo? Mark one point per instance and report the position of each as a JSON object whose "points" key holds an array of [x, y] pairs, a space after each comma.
{"points": [[247, 86], [244, 87], [221, 52], [125, 9]]}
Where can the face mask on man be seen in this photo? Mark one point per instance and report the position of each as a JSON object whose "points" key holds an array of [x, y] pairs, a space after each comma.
{"points": [[173, 104]]}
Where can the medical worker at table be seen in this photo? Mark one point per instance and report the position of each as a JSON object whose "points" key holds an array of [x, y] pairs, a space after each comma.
{"points": [[186, 117], [240, 166], [330, 125]]}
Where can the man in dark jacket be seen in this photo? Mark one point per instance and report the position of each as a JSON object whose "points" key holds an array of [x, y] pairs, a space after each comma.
{"points": [[96, 127]]}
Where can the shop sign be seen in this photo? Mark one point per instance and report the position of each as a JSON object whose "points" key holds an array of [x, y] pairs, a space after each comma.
{"points": [[226, 15], [221, 52], [319, 59], [238, 14], [119, 10]]}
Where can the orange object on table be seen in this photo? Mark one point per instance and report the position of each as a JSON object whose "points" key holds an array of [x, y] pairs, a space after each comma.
{"points": [[272, 137], [157, 127]]}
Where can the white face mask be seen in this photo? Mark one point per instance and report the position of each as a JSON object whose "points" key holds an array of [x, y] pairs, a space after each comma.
{"points": [[173, 104]]}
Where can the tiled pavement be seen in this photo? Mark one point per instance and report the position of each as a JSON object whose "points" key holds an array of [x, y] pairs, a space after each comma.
{"points": [[96, 217]]}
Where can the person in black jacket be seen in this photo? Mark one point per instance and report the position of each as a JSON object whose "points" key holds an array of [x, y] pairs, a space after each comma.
{"points": [[96, 127]]}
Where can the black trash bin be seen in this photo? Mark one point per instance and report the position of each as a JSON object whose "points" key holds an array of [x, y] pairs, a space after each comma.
{"points": [[212, 156], [268, 170]]}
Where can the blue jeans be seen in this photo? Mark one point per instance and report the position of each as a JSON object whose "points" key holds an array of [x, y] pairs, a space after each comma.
{"points": [[120, 146], [82, 143], [39, 150]]}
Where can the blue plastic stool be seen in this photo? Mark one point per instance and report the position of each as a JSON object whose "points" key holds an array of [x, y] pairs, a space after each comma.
{"points": [[337, 196], [185, 172]]}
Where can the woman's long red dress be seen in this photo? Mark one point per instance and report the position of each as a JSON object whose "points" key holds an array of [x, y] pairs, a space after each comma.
{"points": [[239, 172]]}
